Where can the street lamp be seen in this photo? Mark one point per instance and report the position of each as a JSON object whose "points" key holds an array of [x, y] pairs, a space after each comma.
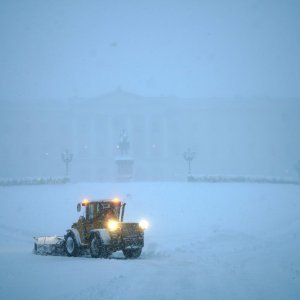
{"points": [[67, 157], [189, 155]]}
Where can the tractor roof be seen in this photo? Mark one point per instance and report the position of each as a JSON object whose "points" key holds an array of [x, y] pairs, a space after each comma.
{"points": [[114, 201]]}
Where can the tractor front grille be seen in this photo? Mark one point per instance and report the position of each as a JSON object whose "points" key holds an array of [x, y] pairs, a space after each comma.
{"points": [[131, 230]]}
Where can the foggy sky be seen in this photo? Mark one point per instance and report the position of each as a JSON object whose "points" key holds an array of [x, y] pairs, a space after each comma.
{"points": [[65, 48]]}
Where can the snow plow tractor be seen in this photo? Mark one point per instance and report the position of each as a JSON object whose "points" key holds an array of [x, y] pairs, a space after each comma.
{"points": [[100, 230]]}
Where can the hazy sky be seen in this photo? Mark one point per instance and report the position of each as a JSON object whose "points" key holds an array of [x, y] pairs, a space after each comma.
{"points": [[66, 48]]}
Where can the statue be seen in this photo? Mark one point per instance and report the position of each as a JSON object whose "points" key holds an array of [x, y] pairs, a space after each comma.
{"points": [[124, 144], [124, 162]]}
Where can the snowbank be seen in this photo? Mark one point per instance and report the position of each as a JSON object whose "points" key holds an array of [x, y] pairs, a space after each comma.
{"points": [[33, 181], [246, 179]]}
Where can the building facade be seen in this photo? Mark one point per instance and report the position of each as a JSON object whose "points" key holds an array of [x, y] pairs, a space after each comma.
{"points": [[234, 137]]}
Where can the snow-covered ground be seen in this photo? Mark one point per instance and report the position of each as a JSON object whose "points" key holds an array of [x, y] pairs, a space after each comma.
{"points": [[206, 241]]}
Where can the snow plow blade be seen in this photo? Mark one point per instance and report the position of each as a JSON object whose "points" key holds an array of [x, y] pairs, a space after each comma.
{"points": [[49, 245]]}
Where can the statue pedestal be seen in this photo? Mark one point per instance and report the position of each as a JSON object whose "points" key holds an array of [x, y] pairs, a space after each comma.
{"points": [[124, 168]]}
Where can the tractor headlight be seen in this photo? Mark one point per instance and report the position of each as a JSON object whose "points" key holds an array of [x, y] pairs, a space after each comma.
{"points": [[112, 225], [144, 224]]}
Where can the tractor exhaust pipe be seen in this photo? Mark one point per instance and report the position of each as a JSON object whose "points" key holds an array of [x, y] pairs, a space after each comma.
{"points": [[122, 211]]}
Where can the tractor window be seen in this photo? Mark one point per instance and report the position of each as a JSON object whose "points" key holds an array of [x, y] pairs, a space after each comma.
{"points": [[98, 210], [90, 212], [116, 212]]}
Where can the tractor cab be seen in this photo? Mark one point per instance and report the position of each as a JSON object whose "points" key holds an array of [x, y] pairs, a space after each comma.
{"points": [[98, 214], [102, 210]]}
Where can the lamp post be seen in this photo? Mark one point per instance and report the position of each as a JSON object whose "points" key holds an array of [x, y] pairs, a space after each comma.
{"points": [[189, 155], [67, 157]]}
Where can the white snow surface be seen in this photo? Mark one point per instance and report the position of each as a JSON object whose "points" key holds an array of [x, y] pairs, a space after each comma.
{"points": [[205, 241]]}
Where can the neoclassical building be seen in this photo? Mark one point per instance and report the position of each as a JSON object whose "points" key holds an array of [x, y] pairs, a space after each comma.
{"points": [[229, 136]]}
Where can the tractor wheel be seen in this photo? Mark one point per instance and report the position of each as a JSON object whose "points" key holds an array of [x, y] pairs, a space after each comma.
{"points": [[105, 253], [132, 253], [98, 249], [71, 246], [35, 248], [95, 247]]}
